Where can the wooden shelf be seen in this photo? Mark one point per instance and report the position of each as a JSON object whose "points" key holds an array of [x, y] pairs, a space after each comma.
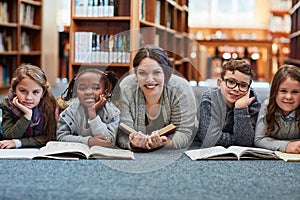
{"points": [[141, 22], [294, 57], [280, 12], [119, 18], [295, 34], [32, 2], [18, 29], [31, 26], [8, 24]]}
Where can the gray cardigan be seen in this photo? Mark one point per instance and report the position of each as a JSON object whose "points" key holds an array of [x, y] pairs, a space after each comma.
{"points": [[219, 125], [71, 126], [283, 133], [178, 107]]}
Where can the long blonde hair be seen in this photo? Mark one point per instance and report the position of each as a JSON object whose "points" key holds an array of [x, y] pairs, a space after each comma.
{"points": [[47, 102]]}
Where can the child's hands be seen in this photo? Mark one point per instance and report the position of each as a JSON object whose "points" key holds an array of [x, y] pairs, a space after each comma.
{"points": [[7, 144], [293, 147], [155, 140], [101, 102], [100, 140], [27, 111], [244, 101], [138, 140], [92, 110]]}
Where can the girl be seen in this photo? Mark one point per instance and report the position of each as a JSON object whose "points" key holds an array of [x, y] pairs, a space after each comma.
{"points": [[29, 110], [228, 113], [90, 118], [152, 98], [278, 124]]}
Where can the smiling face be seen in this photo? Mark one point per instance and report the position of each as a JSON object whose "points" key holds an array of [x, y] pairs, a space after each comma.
{"points": [[232, 95], [29, 92], [150, 77], [288, 95], [89, 88]]}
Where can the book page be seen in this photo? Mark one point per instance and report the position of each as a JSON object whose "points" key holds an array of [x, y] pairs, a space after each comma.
{"points": [[110, 153], [18, 153], [55, 148], [252, 152], [210, 153], [288, 157]]}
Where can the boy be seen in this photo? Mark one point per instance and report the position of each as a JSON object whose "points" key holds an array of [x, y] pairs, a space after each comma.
{"points": [[229, 112]]}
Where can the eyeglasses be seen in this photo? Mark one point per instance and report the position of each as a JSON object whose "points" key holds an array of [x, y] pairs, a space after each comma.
{"points": [[231, 83]]}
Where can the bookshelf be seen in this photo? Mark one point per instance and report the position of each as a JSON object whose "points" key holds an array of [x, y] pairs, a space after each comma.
{"points": [[114, 30], [294, 57], [279, 30], [20, 36]]}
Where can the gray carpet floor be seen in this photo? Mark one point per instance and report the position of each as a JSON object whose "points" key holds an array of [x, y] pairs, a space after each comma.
{"points": [[149, 176], [180, 179]]}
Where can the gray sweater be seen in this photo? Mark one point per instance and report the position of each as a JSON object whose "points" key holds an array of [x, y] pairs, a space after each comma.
{"points": [[72, 123], [178, 107], [219, 125], [284, 132]]}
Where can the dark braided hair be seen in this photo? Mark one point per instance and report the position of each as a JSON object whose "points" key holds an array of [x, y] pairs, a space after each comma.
{"points": [[109, 79]]}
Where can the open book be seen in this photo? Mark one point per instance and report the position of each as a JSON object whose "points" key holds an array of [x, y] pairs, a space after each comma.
{"points": [[67, 151], [288, 157], [164, 131], [232, 152]]}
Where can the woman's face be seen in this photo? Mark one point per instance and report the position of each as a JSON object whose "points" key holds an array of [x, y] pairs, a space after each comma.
{"points": [[89, 88], [151, 77], [288, 95], [231, 95]]}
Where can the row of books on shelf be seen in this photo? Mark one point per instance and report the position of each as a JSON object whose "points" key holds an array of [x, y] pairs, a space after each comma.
{"points": [[280, 4], [280, 24], [3, 12], [26, 44], [26, 14], [5, 42], [4, 74], [91, 47], [95, 8]]}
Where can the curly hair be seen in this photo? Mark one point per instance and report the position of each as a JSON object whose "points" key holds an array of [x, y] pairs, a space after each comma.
{"points": [[109, 79], [239, 65]]}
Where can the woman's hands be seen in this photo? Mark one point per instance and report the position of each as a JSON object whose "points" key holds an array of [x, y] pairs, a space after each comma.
{"points": [[153, 141], [27, 111], [7, 144]]}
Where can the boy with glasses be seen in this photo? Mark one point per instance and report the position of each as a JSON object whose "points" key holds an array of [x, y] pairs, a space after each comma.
{"points": [[228, 113]]}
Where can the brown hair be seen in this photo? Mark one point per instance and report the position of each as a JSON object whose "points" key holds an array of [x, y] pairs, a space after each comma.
{"points": [[156, 54], [281, 75], [239, 65], [47, 102]]}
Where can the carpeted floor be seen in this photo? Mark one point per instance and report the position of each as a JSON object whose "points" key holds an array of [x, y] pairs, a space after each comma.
{"points": [[143, 179], [150, 176]]}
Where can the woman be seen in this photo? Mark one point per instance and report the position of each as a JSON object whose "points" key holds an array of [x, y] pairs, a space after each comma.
{"points": [[152, 98]]}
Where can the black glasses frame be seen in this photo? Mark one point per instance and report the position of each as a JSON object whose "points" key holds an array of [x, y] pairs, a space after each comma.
{"points": [[236, 84]]}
